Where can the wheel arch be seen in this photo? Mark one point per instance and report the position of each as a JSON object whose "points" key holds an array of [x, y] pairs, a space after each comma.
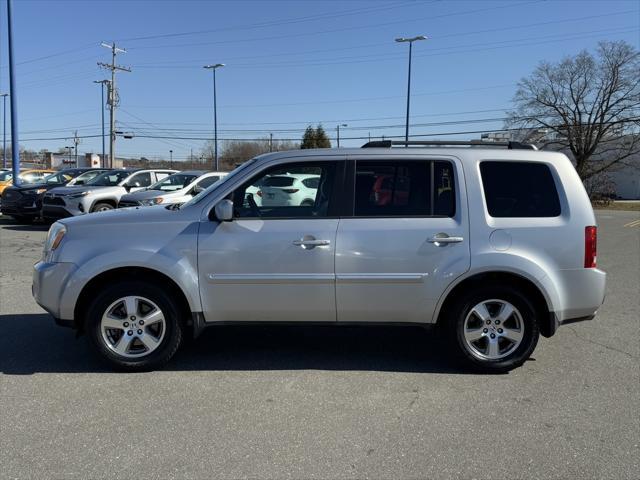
{"points": [[129, 273], [111, 201], [534, 290]]}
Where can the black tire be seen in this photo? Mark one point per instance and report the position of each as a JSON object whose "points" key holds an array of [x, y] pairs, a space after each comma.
{"points": [[102, 206], [173, 325], [462, 307]]}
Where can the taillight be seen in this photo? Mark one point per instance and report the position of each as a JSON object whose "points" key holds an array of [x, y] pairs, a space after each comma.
{"points": [[290, 190], [590, 246]]}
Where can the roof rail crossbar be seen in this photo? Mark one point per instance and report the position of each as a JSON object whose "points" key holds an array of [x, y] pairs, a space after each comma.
{"points": [[434, 143]]}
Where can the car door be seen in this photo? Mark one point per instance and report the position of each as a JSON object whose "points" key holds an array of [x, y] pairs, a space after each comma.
{"points": [[272, 263], [406, 239]]}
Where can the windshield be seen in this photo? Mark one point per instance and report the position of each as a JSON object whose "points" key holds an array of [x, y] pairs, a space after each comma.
{"points": [[109, 179], [60, 177], [4, 176], [173, 182], [223, 181]]}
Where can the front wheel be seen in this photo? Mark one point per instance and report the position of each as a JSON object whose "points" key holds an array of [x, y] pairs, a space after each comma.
{"points": [[102, 207], [494, 329], [134, 325]]}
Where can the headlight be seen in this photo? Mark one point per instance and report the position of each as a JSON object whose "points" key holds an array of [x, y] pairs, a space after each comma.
{"points": [[54, 237], [81, 194], [152, 201]]}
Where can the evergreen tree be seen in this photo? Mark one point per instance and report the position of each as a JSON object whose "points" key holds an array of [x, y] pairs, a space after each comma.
{"points": [[322, 140], [309, 138]]}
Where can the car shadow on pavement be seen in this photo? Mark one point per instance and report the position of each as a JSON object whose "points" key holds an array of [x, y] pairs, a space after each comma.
{"points": [[8, 223], [32, 343]]}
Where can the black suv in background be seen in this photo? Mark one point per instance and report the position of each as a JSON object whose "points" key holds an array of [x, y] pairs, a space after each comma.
{"points": [[24, 202]]}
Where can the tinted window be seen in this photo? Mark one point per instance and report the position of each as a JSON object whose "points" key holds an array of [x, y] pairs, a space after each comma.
{"points": [[312, 182], [444, 200], [140, 180], [173, 182], [109, 179], [519, 189], [272, 194], [393, 189], [278, 181], [207, 182]]}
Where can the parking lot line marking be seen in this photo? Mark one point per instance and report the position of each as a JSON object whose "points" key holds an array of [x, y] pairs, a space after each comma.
{"points": [[635, 223]]}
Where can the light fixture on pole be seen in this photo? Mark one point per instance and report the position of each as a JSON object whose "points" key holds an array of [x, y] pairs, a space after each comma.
{"points": [[410, 41], [338, 136], [213, 68], [102, 83], [4, 129]]}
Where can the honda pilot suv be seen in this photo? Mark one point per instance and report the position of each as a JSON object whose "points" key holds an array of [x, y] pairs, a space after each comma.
{"points": [[494, 244]]}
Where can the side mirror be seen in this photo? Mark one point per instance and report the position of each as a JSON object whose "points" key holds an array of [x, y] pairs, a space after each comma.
{"points": [[224, 210], [196, 190], [79, 182]]}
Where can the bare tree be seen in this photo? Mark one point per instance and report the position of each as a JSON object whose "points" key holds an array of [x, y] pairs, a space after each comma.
{"points": [[587, 104], [235, 152]]}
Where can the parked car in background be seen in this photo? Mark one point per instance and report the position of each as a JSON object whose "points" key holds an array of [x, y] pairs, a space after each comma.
{"points": [[495, 244], [24, 202], [25, 176], [99, 194], [176, 188], [289, 189]]}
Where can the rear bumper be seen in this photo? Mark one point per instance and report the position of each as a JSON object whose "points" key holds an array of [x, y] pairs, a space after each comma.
{"points": [[580, 293]]}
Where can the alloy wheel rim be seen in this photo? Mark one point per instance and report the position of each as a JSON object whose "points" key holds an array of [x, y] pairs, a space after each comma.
{"points": [[493, 329], [133, 326]]}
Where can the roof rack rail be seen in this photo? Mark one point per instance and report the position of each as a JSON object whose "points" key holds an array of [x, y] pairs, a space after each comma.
{"points": [[432, 143]]}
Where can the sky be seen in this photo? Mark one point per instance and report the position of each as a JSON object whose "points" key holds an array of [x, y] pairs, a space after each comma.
{"points": [[288, 64]]}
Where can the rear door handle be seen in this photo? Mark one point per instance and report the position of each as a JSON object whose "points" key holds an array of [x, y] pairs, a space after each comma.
{"points": [[309, 242], [442, 239]]}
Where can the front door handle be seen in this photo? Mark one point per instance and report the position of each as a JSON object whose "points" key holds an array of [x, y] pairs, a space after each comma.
{"points": [[442, 239], [309, 242]]}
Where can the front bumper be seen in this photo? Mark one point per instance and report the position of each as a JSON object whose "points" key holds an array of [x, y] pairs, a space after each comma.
{"points": [[55, 212], [26, 206], [49, 283]]}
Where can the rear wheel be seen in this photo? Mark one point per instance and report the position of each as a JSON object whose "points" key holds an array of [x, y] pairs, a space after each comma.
{"points": [[134, 325], [494, 329], [102, 207]]}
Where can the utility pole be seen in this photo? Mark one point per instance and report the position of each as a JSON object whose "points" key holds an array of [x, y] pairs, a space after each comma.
{"points": [[112, 97], [170, 158], [271, 142], [76, 141], [15, 145], [103, 162], [4, 129]]}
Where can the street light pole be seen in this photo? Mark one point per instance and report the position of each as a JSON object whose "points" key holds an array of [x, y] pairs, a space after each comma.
{"points": [[338, 136], [410, 41], [213, 68], [15, 144], [102, 83], [4, 129], [170, 158]]}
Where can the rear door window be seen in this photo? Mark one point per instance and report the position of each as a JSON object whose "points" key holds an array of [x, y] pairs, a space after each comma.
{"points": [[519, 189]]}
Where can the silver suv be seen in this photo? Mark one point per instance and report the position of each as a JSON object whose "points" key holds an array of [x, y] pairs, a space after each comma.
{"points": [[495, 245], [99, 194]]}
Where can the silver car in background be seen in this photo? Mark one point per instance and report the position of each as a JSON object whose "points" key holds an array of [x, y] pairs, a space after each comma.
{"points": [[176, 188], [495, 244], [99, 194]]}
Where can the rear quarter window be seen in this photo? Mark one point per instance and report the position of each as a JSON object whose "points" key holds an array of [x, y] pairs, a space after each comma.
{"points": [[519, 189]]}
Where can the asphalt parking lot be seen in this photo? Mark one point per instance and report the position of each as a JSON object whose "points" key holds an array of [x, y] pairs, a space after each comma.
{"points": [[322, 402]]}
